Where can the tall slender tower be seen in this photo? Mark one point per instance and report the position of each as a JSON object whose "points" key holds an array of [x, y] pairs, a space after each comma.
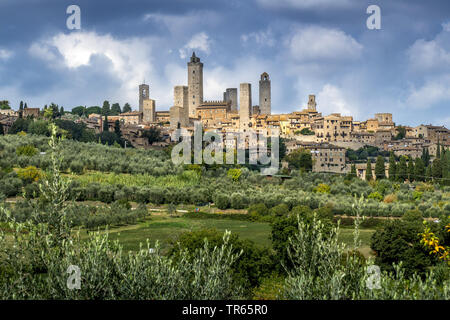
{"points": [[245, 100], [195, 84], [231, 95], [312, 102], [144, 94], [264, 94]]}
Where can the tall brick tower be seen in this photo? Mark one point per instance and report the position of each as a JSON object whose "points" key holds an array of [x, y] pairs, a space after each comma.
{"points": [[144, 94], [195, 84], [264, 94]]}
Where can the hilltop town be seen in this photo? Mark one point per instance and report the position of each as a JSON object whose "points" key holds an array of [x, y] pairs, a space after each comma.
{"points": [[326, 136]]}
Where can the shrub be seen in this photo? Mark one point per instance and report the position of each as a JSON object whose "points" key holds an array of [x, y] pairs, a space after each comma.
{"points": [[280, 210], [237, 201], [234, 174], [322, 188], [27, 150], [222, 201], [258, 209], [29, 174], [390, 198], [376, 195]]}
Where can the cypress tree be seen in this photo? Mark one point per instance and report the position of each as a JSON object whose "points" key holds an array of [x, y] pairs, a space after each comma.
{"points": [[392, 167], [419, 170], [106, 110], [117, 128], [436, 170], [426, 161], [105, 124], [379, 168], [353, 171], [429, 173], [369, 175], [402, 170], [446, 169], [411, 169], [438, 150]]}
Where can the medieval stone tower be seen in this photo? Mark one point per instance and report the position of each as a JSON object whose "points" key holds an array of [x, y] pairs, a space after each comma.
{"points": [[245, 98], [179, 113], [264, 94], [230, 95], [144, 94], [312, 102], [195, 84]]}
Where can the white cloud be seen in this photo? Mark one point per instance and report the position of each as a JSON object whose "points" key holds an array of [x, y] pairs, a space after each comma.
{"points": [[331, 99], [5, 54], [130, 59], [446, 26], [306, 4], [429, 66], [434, 91], [428, 55], [199, 41], [322, 44], [186, 22], [261, 38]]}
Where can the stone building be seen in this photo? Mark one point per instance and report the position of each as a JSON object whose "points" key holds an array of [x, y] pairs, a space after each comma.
{"points": [[312, 103], [149, 111], [7, 121], [179, 113], [264, 94], [333, 128], [31, 112], [230, 95], [245, 99], [213, 113], [163, 117], [326, 157], [195, 84], [127, 118], [432, 133], [144, 94], [8, 112]]}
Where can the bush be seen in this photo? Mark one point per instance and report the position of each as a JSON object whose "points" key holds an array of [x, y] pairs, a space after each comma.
{"points": [[322, 188], [376, 196], [27, 150], [258, 209], [222, 201], [29, 174], [237, 201], [280, 210]]}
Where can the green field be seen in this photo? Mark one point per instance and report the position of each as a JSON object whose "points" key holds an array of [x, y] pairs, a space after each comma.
{"points": [[165, 229]]}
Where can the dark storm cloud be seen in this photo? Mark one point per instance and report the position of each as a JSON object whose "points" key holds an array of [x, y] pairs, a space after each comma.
{"points": [[376, 76]]}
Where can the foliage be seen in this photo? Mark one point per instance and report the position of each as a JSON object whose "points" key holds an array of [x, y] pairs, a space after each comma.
{"points": [[253, 263], [300, 159], [26, 150], [399, 241], [322, 188], [432, 242], [234, 174], [29, 174]]}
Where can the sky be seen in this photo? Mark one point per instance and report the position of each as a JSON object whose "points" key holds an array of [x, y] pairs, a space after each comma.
{"points": [[320, 47]]}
